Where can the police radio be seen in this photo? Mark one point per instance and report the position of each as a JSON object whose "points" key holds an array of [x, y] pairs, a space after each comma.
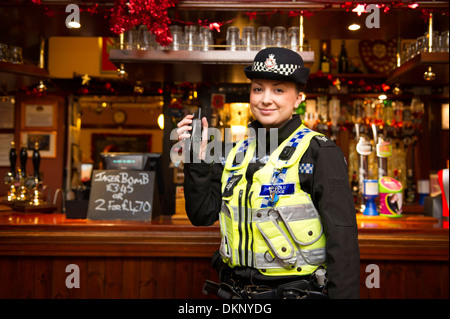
{"points": [[196, 134]]}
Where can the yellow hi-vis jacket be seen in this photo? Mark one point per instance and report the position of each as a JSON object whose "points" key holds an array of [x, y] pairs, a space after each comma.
{"points": [[269, 223]]}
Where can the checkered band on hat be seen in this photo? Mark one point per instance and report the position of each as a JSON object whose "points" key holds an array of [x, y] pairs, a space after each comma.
{"points": [[283, 69]]}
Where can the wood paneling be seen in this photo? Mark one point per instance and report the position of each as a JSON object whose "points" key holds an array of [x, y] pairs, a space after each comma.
{"points": [[407, 280], [183, 278], [171, 259], [104, 277]]}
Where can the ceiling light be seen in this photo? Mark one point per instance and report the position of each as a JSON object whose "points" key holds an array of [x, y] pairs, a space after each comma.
{"points": [[74, 25], [121, 72], [161, 121], [429, 75], [41, 87], [354, 27], [444, 112], [138, 88], [73, 19], [396, 90]]}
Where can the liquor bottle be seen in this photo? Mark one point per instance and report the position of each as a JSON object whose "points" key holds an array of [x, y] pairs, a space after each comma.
{"points": [[388, 112], [334, 110], [322, 108], [410, 191], [396, 175], [378, 110], [325, 65], [407, 114], [398, 111], [358, 108], [343, 60], [417, 108]]}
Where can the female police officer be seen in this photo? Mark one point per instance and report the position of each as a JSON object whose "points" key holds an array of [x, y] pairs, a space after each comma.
{"points": [[283, 215]]}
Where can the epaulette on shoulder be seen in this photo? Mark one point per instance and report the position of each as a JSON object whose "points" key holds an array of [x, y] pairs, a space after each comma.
{"points": [[323, 141]]}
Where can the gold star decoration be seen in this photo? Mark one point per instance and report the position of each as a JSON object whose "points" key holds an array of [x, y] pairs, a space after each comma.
{"points": [[85, 80], [337, 83]]}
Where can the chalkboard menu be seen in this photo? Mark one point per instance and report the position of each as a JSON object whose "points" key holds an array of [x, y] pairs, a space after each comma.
{"points": [[122, 195]]}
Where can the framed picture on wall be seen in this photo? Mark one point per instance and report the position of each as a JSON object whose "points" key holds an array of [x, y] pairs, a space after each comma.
{"points": [[46, 140], [5, 147], [39, 115], [6, 113]]}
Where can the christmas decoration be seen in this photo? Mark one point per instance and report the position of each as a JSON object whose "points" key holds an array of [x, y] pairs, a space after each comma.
{"points": [[85, 79], [360, 8], [127, 14], [379, 56]]}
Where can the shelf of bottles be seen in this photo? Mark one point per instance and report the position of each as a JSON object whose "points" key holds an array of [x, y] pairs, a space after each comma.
{"points": [[379, 122]]}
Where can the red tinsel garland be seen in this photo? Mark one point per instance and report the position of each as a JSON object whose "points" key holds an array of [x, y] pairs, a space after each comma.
{"points": [[153, 13], [126, 14]]}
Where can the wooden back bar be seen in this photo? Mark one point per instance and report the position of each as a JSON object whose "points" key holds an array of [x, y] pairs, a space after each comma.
{"points": [[170, 258]]}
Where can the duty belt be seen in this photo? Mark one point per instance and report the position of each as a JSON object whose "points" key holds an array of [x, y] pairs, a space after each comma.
{"points": [[299, 289]]}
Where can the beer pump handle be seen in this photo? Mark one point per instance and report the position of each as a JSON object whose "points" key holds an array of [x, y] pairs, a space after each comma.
{"points": [[375, 137], [36, 160], [23, 160], [13, 159]]}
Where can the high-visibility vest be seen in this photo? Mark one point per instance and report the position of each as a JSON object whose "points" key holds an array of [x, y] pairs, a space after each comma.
{"points": [[270, 223]]}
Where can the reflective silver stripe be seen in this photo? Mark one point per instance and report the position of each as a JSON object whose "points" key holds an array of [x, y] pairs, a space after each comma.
{"points": [[314, 256], [225, 249], [298, 212], [295, 212], [286, 214], [301, 212], [269, 242], [225, 210], [262, 261]]}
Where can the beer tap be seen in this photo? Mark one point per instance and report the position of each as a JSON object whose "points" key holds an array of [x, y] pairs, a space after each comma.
{"points": [[10, 177], [34, 182], [364, 149], [36, 161], [23, 193], [13, 159], [23, 161], [384, 150]]}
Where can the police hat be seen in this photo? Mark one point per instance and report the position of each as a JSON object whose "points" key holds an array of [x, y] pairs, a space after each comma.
{"points": [[278, 64]]}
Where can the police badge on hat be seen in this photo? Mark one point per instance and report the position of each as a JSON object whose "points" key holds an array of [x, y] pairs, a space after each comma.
{"points": [[271, 62], [279, 64]]}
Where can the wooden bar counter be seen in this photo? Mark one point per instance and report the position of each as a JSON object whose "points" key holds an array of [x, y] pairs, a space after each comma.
{"points": [[170, 258]]}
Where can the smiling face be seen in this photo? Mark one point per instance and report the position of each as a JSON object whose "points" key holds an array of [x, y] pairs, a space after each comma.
{"points": [[273, 102]]}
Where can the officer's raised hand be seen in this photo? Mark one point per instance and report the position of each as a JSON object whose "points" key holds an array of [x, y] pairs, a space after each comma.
{"points": [[199, 143]]}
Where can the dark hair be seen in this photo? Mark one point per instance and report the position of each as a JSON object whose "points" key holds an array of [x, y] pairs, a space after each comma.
{"points": [[300, 87]]}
